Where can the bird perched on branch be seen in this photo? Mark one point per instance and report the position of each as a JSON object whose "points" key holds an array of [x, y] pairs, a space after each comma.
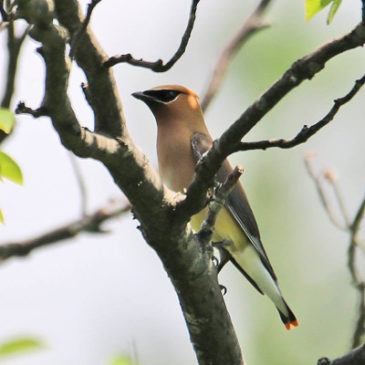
{"points": [[182, 138]]}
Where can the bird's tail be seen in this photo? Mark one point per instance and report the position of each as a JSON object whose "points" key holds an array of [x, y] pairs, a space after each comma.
{"points": [[288, 319], [250, 264]]}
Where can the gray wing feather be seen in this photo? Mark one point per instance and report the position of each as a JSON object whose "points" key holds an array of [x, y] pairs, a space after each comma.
{"points": [[236, 203]]}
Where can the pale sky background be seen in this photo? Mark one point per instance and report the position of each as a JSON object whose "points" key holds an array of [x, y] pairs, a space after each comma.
{"points": [[94, 297]]}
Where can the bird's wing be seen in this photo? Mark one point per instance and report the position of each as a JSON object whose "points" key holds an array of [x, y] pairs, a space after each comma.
{"points": [[236, 203]]}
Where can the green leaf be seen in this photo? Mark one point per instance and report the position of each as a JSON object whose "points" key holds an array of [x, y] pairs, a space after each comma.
{"points": [[333, 10], [312, 7], [10, 169], [122, 360], [1, 217], [7, 120], [19, 345]]}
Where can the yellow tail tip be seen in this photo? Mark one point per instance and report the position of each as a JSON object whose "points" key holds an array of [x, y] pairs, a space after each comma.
{"points": [[289, 325]]}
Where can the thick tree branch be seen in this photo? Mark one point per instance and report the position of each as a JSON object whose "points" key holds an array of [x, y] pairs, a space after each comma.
{"points": [[89, 223], [354, 357], [102, 90], [306, 132], [187, 262], [252, 25], [159, 65], [76, 37], [303, 69]]}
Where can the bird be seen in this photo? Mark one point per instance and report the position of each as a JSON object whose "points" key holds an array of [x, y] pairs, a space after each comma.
{"points": [[182, 138]]}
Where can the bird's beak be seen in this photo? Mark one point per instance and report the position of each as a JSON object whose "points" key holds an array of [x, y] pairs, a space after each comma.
{"points": [[139, 95], [142, 96]]}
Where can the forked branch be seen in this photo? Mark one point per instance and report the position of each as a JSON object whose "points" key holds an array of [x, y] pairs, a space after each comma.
{"points": [[159, 65]]}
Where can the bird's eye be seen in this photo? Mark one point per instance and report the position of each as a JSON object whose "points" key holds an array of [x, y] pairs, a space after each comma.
{"points": [[163, 96], [168, 95]]}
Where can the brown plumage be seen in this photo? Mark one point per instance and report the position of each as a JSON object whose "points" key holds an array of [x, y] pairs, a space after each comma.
{"points": [[182, 136]]}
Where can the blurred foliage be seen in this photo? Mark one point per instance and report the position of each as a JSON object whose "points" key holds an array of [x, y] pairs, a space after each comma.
{"points": [[312, 7], [19, 346], [122, 360], [7, 120], [9, 169]]}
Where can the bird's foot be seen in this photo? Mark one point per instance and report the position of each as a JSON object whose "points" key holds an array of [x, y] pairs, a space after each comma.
{"points": [[215, 261], [223, 289]]}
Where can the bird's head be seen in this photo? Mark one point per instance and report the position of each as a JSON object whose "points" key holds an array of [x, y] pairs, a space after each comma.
{"points": [[171, 102]]}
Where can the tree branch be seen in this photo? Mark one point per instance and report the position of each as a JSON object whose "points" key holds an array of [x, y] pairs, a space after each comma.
{"points": [[80, 182], [322, 195], [252, 25], [103, 94], [358, 284], [159, 66], [89, 223], [14, 45], [187, 263], [352, 228], [306, 132], [302, 69], [76, 37], [354, 357], [220, 195]]}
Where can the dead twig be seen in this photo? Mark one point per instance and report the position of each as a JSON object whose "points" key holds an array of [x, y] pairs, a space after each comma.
{"points": [[159, 65], [352, 227], [306, 132], [35, 113], [252, 25], [89, 223]]}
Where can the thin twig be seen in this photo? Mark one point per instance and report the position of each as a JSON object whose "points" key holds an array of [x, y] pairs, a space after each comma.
{"points": [[35, 113], [159, 66], [80, 182], [91, 223], [220, 195], [14, 45], [76, 38], [303, 69], [358, 284], [360, 322], [352, 228], [322, 195], [4, 14], [330, 177], [3, 25], [252, 25], [306, 132]]}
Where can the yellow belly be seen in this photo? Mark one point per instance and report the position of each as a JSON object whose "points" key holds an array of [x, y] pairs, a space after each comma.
{"points": [[226, 228]]}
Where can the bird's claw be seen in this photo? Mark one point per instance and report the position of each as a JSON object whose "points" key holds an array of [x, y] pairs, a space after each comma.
{"points": [[215, 261], [223, 289]]}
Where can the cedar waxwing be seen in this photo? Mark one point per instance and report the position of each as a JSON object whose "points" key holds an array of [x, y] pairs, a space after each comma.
{"points": [[182, 138]]}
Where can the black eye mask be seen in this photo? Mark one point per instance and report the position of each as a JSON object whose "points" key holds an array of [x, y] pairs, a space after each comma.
{"points": [[164, 96]]}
